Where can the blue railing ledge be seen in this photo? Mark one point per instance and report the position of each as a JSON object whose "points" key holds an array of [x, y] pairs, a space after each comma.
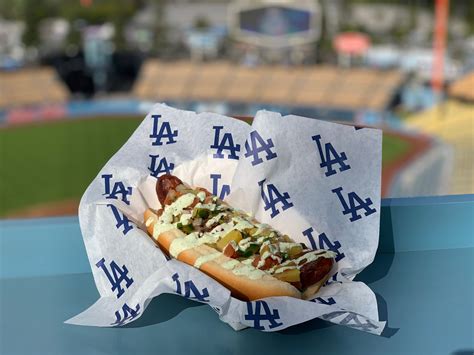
{"points": [[427, 200], [54, 245], [427, 223]]}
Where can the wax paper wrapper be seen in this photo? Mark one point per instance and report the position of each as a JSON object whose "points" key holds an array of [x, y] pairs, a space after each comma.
{"points": [[317, 181]]}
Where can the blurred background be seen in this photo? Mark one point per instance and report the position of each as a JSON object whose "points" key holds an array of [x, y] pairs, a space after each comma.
{"points": [[75, 71]]}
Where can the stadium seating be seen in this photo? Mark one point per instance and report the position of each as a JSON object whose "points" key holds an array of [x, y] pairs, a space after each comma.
{"points": [[278, 84], [463, 88], [209, 81], [31, 86], [311, 86], [241, 87], [452, 122]]}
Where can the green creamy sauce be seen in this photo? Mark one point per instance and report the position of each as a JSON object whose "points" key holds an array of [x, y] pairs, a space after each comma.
{"points": [[161, 228], [215, 219], [240, 221], [201, 195], [231, 264], [185, 218], [180, 244], [285, 246], [176, 208], [205, 258], [284, 268], [190, 241], [249, 271]]}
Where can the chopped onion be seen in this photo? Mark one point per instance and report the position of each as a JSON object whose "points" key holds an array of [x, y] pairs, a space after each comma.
{"points": [[197, 222]]}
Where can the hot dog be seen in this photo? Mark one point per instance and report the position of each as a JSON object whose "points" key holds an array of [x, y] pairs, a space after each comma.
{"points": [[251, 259]]}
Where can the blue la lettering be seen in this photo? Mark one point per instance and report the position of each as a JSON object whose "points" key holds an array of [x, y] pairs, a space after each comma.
{"points": [[118, 188], [323, 242], [256, 315], [122, 220], [162, 132], [272, 197], [217, 309], [258, 145], [190, 287], [161, 167], [225, 190], [355, 204], [117, 277], [330, 156], [327, 301], [332, 279], [226, 143], [129, 314], [352, 320], [112, 192]]}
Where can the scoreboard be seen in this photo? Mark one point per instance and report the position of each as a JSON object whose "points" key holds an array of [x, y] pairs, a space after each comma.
{"points": [[271, 23]]}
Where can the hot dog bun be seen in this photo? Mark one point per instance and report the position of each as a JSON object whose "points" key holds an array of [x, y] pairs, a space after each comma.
{"points": [[241, 286]]}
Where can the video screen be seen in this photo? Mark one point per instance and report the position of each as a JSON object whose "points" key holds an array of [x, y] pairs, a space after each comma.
{"points": [[275, 20]]}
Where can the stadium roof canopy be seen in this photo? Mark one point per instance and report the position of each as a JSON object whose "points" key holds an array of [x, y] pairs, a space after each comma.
{"points": [[32, 86], [463, 88], [309, 86]]}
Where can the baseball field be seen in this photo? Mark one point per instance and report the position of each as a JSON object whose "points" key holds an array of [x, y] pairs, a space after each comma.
{"points": [[52, 163]]}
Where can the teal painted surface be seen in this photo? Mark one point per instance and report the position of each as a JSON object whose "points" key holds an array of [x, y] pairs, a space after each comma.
{"points": [[54, 246], [427, 223], [431, 306], [41, 247], [423, 276]]}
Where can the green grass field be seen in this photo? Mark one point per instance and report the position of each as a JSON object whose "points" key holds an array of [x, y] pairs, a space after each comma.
{"points": [[392, 148], [56, 161]]}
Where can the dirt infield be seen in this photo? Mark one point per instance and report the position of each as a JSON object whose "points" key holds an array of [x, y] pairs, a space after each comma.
{"points": [[61, 208], [418, 146]]}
